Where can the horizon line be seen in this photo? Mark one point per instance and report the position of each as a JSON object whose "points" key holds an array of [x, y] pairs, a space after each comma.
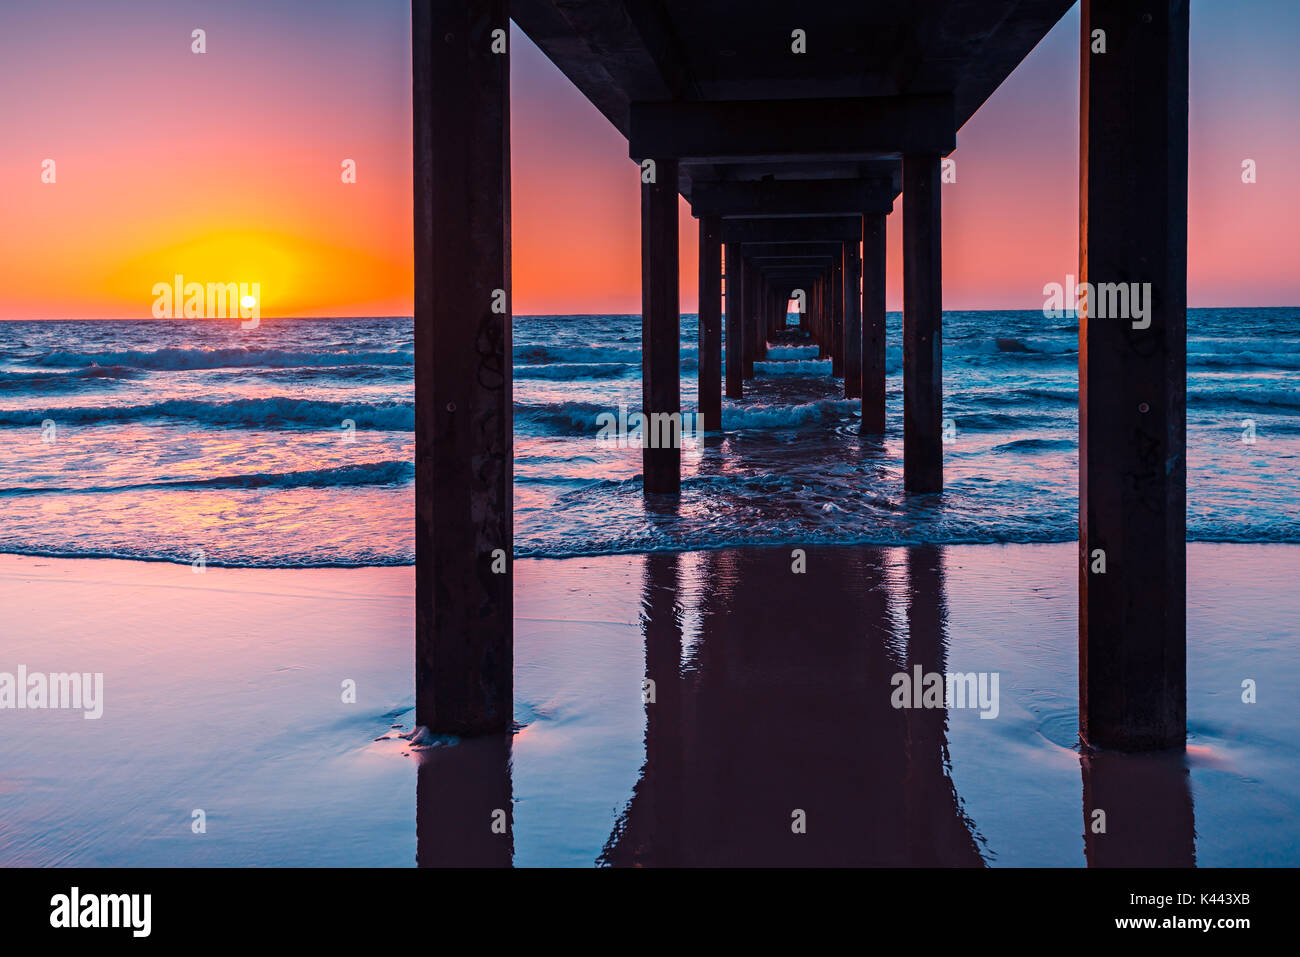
{"points": [[521, 315]]}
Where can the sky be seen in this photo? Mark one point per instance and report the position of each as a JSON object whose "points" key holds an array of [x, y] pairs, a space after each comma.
{"points": [[226, 166]]}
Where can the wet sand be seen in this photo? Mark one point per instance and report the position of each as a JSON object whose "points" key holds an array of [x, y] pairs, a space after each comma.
{"points": [[771, 738]]}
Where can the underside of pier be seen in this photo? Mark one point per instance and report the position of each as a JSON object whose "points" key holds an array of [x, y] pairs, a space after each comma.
{"points": [[791, 130]]}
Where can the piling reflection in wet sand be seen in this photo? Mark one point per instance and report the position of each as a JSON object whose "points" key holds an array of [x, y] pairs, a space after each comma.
{"points": [[464, 814], [1144, 803], [772, 736], [775, 742]]}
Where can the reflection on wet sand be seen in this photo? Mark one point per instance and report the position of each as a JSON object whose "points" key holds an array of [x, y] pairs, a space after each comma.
{"points": [[1144, 804], [463, 805], [774, 742], [771, 737]]}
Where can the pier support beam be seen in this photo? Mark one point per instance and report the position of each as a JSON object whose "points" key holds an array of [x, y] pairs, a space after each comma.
{"points": [[709, 366], [819, 321], [752, 329], [661, 451], [464, 609], [1132, 376], [837, 315], [813, 325], [735, 323], [852, 322], [873, 324], [922, 321], [823, 314]]}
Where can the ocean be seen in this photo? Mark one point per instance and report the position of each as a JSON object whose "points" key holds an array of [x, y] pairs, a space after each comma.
{"points": [[291, 445]]}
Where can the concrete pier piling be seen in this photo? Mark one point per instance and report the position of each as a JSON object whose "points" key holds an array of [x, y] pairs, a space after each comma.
{"points": [[661, 402], [735, 286], [837, 293], [709, 368], [873, 324], [463, 416], [1132, 376], [749, 308], [823, 340], [754, 304], [852, 322], [922, 325]]}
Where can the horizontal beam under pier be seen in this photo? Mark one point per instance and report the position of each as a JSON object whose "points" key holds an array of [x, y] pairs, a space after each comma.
{"points": [[821, 229], [790, 250], [869, 126], [779, 199]]}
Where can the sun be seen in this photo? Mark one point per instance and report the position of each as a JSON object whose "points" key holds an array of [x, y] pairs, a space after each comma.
{"points": [[248, 302]]}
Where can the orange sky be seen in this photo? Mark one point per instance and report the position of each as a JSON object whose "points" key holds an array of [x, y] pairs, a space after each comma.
{"points": [[225, 166]]}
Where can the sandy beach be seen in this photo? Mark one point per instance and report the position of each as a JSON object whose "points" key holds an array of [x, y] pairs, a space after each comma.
{"points": [[224, 693]]}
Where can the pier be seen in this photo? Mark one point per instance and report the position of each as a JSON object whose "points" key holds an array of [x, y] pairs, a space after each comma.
{"points": [[791, 130]]}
